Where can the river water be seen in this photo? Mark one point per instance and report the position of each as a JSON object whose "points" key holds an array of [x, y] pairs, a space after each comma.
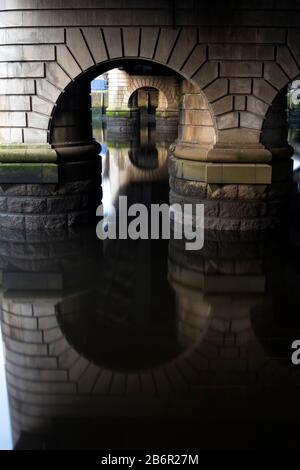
{"points": [[141, 344]]}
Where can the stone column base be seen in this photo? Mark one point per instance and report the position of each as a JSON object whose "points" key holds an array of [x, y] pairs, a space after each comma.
{"points": [[44, 188], [236, 196]]}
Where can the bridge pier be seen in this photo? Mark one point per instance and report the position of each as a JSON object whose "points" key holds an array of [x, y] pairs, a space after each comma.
{"points": [[243, 185], [231, 152], [46, 192]]}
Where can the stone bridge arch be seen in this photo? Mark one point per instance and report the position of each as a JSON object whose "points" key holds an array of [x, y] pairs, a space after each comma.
{"points": [[239, 69], [159, 84]]}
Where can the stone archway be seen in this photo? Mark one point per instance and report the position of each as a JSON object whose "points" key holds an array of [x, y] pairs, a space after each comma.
{"points": [[167, 87], [236, 95]]}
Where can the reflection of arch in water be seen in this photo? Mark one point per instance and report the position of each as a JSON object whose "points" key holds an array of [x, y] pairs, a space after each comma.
{"points": [[144, 157], [46, 374], [121, 171], [47, 377], [167, 97]]}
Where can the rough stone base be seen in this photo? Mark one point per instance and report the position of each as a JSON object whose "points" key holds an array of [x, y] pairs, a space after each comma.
{"points": [[47, 206], [239, 207]]}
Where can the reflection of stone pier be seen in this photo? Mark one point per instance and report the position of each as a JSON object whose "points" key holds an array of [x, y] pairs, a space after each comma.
{"points": [[81, 345]]}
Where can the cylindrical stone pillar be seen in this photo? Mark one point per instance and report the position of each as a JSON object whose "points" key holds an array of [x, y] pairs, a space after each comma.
{"points": [[243, 186]]}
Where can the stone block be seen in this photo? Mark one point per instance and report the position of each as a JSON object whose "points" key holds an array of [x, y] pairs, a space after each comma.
{"points": [[259, 223], [196, 117], [47, 90], [52, 334], [250, 120], [165, 43], [148, 42], [94, 39], [201, 134], [68, 358], [238, 209], [26, 280], [240, 69], [26, 205], [188, 188], [239, 102], [235, 173], [217, 89], [228, 121], [223, 105], [212, 223], [241, 35], [189, 87], [17, 308], [195, 60], [45, 222], [274, 75], [38, 387], [28, 323], [253, 191], [3, 204], [207, 73], [240, 85], [263, 174], [113, 42], [239, 136], [26, 53], [38, 121], [26, 349], [46, 323], [32, 36], [12, 221], [213, 173], [14, 189], [218, 191], [78, 368], [17, 86], [28, 336], [187, 169], [44, 309], [211, 208], [22, 70], [293, 41], [10, 136], [56, 75], [286, 61], [41, 106], [256, 106], [67, 61], [102, 386], [39, 375], [14, 103], [35, 136], [23, 172], [34, 362], [12, 119], [264, 91], [184, 45], [78, 47], [88, 378], [131, 38], [193, 101], [241, 52]]}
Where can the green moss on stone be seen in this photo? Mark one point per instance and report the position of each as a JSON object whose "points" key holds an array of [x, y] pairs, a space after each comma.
{"points": [[123, 114]]}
